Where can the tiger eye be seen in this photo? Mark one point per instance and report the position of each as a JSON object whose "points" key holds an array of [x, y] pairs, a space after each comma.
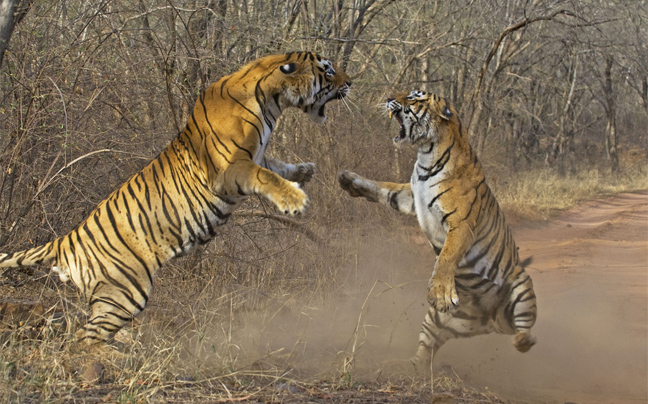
{"points": [[288, 68]]}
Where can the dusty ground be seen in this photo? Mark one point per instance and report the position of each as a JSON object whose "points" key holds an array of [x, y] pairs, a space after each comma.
{"points": [[590, 273], [590, 270]]}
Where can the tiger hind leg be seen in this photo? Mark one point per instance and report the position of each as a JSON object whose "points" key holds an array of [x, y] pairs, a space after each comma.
{"points": [[423, 360], [107, 318], [439, 327], [431, 338], [521, 312]]}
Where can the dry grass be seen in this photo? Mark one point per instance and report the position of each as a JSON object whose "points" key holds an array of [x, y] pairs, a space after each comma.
{"points": [[203, 339], [541, 194]]}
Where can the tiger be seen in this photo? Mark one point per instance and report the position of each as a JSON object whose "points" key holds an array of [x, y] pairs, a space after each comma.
{"points": [[191, 188], [478, 283]]}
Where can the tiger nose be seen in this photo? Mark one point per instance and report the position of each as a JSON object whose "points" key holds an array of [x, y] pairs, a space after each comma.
{"points": [[390, 99], [348, 83]]}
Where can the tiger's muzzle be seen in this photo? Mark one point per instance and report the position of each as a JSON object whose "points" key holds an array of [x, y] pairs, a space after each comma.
{"points": [[317, 111], [395, 109]]}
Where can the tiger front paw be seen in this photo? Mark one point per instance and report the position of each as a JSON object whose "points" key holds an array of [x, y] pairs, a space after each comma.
{"points": [[291, 200], [305, 172], [354, 184], [442, 294]]}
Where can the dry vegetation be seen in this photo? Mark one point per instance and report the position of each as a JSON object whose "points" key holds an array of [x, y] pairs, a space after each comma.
{"points": [[554, 94]]}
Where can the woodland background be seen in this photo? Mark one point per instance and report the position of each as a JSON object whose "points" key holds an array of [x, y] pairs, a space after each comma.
{"points": [[554, 93], [91, 90]]}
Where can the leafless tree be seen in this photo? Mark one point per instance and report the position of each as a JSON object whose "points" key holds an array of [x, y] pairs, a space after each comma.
{"points": [[89, 91], [11, 13]]}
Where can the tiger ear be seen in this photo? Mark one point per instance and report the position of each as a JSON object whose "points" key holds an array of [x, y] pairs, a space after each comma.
{"points": [[446, 113]]}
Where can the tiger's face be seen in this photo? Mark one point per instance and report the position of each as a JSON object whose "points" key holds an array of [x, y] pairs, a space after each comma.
{"points": [[421, 115], [304, 80]]}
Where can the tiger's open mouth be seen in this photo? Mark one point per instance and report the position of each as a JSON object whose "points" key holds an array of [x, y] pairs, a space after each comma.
{"points": [[318, 111], [401, 133], [394, 110]]}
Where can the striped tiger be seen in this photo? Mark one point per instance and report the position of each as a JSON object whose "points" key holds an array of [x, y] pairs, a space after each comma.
{"points": [[478, 284], [180, 198]]}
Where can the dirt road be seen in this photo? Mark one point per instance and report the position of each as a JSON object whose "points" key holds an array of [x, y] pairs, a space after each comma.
{"points": [[590, 270]]}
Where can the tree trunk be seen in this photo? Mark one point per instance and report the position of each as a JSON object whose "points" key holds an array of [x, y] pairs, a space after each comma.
{"points": [[11, 13], [610, 130], [644, 92]]}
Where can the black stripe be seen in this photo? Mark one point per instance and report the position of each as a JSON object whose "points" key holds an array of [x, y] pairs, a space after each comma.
{"points": [[144, 264], [244, 107], [257, 130], [428, 151], [242, 148], [392, 197], [210, 125], [112, 302], [261, 100], [472, 204], [202, 135], [223, 86], [437, 196], [438, 166], [446, 216], [492, 272], [143, 214], [219, 152]]}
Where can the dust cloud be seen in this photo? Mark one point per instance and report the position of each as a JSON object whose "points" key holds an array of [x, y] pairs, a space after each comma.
{"points": [[590, 272]]}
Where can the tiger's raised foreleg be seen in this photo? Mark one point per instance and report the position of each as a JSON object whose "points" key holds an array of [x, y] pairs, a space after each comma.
{"points": [[398, 196], [246, 178], [300, 173]]}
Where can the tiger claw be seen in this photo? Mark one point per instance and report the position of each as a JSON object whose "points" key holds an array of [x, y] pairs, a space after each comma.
{"points": [[443, 299], [291, 200]]}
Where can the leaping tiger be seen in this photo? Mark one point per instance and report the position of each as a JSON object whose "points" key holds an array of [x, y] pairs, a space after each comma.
{"points": [[193, 186], [478, 284]]}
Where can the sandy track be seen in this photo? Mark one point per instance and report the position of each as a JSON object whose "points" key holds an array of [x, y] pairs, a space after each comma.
{"points": [[590, 272]]}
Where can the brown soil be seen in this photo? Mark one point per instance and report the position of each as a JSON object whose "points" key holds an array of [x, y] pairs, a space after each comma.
{"points": [[590, 273], [590, 270]]}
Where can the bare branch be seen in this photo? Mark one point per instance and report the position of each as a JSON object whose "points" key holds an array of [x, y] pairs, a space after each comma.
{"points": [[291, 223]]}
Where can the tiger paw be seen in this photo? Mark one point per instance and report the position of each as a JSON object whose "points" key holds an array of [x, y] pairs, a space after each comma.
{"points": [[291, 200], [523, 341], [443, 296], [305, 172], [350, 182], [355, 185]]}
